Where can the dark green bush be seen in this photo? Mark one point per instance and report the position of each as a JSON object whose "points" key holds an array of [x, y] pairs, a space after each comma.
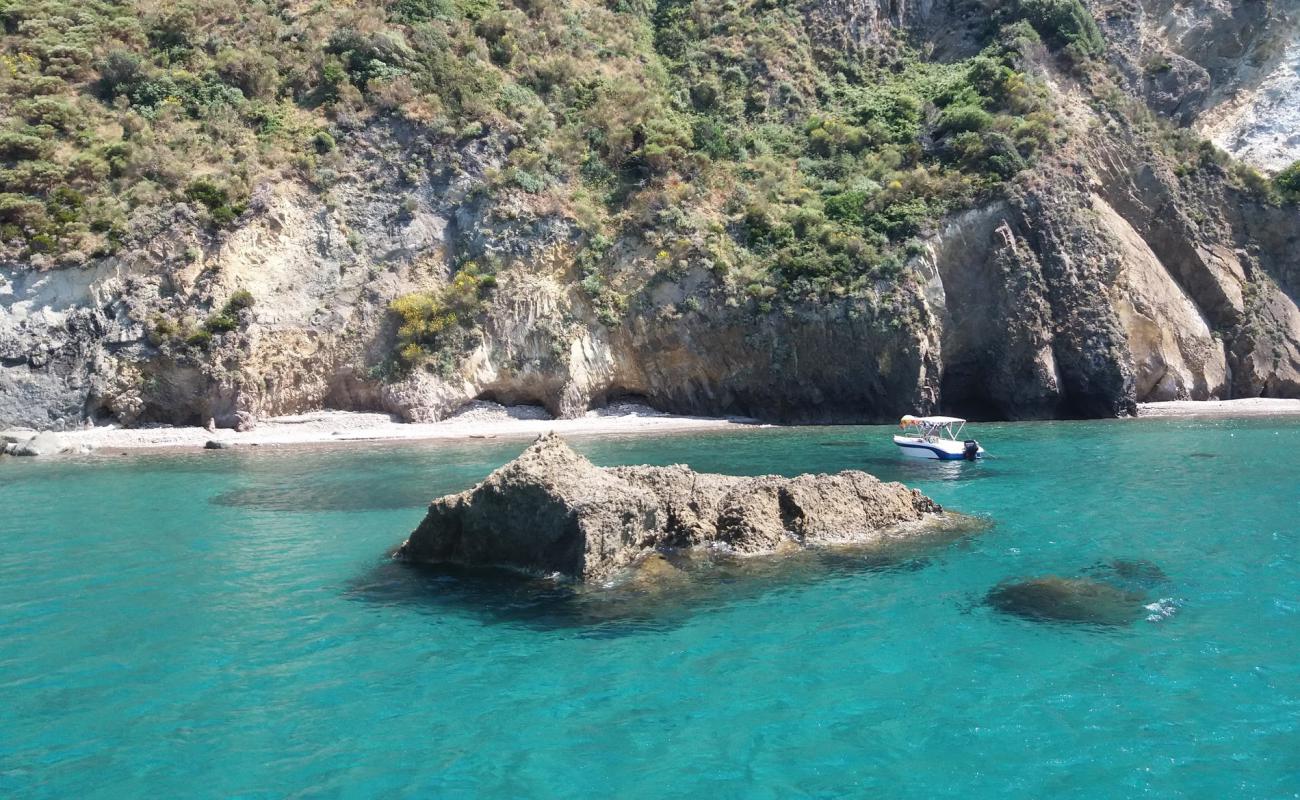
{"points": [[239, 301], [846, 207], [323, 142], [1064, 23], [962, 119], [42, 243], [1287, 182], [216, 199], [119, 72], [58, 114], [21, 210], [424, 10], [20, 146], [220, 323], [901, 219]]}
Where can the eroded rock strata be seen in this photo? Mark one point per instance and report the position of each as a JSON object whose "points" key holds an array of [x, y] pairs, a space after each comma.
{"points": [[1111, 268], [551, 511]]}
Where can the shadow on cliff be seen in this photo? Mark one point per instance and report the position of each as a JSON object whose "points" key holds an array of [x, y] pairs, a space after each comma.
{"points": [[664, 593]]}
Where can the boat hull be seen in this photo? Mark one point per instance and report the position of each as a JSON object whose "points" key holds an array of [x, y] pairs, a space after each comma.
{"points": [[935, 449]]}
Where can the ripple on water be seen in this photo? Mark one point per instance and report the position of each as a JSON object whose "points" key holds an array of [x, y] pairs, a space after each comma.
{"points": [[153, 644]]}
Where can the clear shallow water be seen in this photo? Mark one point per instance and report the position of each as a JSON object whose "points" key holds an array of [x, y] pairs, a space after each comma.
{"points": [[226, 624]]}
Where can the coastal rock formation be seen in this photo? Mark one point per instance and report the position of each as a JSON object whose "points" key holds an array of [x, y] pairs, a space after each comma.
{"points": [[1113, 268], [551, 511]]}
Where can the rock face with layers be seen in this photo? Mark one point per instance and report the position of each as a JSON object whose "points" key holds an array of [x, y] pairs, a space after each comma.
{"points": [[553, 511], [1110, 272]]}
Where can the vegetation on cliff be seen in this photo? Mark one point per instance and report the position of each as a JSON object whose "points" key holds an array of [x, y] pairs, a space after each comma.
{"points": [[718, 131], [642, 176]]}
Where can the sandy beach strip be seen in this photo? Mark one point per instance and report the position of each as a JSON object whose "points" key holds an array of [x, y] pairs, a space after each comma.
{"points": [[481, 420], [1243, 407], [476, 421]]}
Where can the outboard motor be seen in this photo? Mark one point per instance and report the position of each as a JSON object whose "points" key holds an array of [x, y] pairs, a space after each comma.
{"points": [[971, 451]]}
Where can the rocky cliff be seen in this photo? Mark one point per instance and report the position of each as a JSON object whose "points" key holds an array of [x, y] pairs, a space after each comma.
{"points": [[1122, 261]]}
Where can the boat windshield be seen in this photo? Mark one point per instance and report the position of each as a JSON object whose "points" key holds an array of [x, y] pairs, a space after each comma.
{"points": [[930, 428]]}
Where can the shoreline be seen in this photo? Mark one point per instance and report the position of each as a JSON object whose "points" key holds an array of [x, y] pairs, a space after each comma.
{"points": [[481, 420], [1241, 407]]}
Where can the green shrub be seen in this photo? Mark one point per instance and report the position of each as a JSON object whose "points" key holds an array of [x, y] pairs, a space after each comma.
{"points": [[323, 142], [221, 323], [172, 31], [32, 176], [902, 219], [21, 210], [228, 318], [429, 322], [119, 72], [240, 300], [162, 329], [963, 119], [42, 243], [20, 146], [216, 199], [846, 206], [1287, 182], [1064, 23], [424, 10], [56, 113]]}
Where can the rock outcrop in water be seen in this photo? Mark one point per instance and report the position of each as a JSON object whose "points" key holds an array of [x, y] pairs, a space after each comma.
{"points": [[553, 511]]}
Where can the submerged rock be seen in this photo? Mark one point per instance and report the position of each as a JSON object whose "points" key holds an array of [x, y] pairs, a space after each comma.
{"points": [[552, 511], [1055, 598], [1135, 574]]}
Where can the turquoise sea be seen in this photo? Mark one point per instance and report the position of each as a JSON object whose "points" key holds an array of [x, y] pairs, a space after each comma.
{"points": [[226, 624]]}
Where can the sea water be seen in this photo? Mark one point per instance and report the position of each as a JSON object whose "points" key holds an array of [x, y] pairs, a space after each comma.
{"points": [[227, 624]]}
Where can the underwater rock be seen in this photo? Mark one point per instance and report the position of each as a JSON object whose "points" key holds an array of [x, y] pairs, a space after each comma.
{"points": [[1054, 598], [551, 511], [1136, 574]]}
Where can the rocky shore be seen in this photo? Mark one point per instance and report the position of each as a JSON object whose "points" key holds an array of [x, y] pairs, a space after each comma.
{"points": [[551, 511]]}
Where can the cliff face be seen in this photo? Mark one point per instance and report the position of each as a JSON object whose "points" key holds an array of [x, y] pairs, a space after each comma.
{"points": [[1105, 274]]}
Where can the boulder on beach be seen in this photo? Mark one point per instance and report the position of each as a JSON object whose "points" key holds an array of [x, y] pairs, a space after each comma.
{"points": [[42, 444], [551, 511], [1053, 598]]}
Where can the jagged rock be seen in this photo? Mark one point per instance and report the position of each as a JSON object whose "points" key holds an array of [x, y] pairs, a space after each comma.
{"points": [[1053, 598], [552, 511]]}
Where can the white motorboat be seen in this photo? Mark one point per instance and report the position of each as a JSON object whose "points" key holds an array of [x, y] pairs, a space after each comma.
{"points": [[935, 437]]}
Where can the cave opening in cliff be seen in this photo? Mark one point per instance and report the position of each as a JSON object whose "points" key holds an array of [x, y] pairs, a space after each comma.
{"points": [[512, 396], [622, 396], [963, 393]]}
